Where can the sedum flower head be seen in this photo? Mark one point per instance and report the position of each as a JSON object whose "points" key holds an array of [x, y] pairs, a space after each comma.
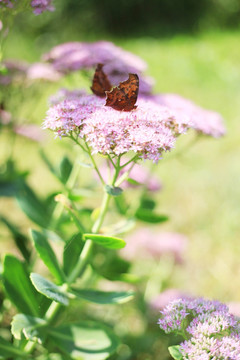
{"points": [[203, 121], [6, 4], [42, 71], [213, 323], [212, 333], [146, 130], [118, 63], [40, 6], [192, 307], [211, 348], [14, 72], [144, 243]]}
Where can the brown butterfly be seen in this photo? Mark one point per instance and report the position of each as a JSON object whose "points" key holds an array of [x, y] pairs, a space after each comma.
{"points": [[124, 96], [100, 82]]}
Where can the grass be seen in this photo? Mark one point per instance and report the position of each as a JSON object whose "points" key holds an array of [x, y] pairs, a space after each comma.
{"points": [[201, 187]]}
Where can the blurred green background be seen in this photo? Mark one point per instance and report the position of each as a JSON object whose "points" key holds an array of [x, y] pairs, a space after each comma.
{"points": [[192, 49]]}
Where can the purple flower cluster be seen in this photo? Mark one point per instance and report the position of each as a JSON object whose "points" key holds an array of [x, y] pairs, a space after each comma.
{"points": [[118, 63], [211, 331], [6, 3], [42, 71], [211, 348], [203, 121], [40, 6], [21, 72], [147, 131], [15, 72], [144, 243]]}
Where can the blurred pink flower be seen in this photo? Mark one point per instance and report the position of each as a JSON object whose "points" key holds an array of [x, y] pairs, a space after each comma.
{"points": [[118, 63], [15, 71], [42, 71], [203, 121], [6, 3], [31, 131], [40, 6], [234, 308], [147, 130], [144, 243], [158, 302], [5, 117]]}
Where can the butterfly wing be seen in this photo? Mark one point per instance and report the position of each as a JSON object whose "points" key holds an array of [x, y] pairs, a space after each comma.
{"points": [[100, 82], [124, 96]]}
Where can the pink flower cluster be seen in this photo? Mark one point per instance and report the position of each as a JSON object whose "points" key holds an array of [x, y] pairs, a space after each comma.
{"points": [[15, 71], [144, 243], [6, 3], [214, 332], [145, 131], [21, 72], [203, 121], [118, 63], [40, 6], [211, 348], [183, 308]]}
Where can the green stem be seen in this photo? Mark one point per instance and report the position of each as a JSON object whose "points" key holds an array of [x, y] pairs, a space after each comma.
{"points": [[95, 165], [90, 155], [135, 157]]}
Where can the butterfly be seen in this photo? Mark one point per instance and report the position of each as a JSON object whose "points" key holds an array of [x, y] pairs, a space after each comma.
{"points": [[100, 82], [124, 96]]}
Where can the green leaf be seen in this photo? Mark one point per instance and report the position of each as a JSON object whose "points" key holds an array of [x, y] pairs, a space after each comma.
{"points": [[149, 216], [109, 242], [148, 203], [85, 340], [103, 297], [7, 350], [19, 287], [133, 182], [49, 289], [32, 206], [29, 327], [20, 239], [10, 188], [129, 278], [72, 251], [175, 352], [65, 169], [109, 265], [113, 190], [47, 255]]}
